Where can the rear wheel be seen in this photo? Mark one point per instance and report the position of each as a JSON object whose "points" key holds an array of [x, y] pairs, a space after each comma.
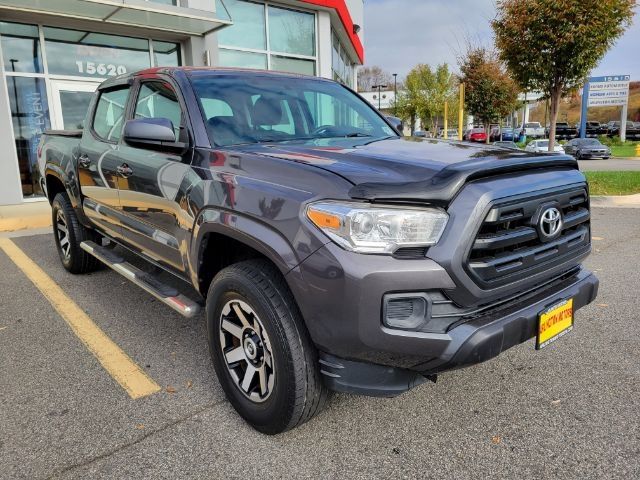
{"points": [[68, 234], [261, 351]]}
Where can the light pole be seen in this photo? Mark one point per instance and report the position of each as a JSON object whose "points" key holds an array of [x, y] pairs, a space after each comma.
{"points": [[379, 88], [395, 94]]}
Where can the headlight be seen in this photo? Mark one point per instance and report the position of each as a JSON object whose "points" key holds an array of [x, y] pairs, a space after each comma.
{"points": [[371, 229]]}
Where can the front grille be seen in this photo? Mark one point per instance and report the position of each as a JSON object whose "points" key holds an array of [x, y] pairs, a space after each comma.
{"points": [[509, 245]]}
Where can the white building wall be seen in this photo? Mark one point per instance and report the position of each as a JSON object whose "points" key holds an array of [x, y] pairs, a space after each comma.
{"points": [[324, 44]]}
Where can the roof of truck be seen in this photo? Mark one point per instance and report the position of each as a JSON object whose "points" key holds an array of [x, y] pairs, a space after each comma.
{"points": [[196, 71]]}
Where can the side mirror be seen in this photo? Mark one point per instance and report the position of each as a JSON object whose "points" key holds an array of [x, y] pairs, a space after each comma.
{"points": [[396, 123], [153, 133]]}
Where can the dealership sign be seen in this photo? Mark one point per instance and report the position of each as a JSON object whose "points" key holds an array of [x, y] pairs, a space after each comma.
{"points": [[609, 91]]}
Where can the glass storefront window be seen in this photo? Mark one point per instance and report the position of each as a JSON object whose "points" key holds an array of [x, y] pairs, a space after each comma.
{"points": [[293, 65], [166, 54], [21, 48], [236, 58], [30, 117], [244, 44], [341, 65], [86, 54], [291, 31], [249, 26]]}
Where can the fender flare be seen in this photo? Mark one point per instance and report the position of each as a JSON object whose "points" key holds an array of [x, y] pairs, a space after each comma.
{"points": [[71, 186], [249, 231]]}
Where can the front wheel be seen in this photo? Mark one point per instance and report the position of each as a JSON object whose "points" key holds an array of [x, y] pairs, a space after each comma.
{"points": [[261, 350]]}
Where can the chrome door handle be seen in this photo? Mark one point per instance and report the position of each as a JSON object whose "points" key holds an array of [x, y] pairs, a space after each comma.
{"points": [[124, 170], [84, 161]]}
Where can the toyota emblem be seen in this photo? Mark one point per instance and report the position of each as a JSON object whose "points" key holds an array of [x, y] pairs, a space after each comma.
{"points": [[550, 223]]}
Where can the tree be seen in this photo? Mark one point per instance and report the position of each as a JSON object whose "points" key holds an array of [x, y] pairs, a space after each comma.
{"points": [[425, 93], [368, 77], [552, 45], [412, 99], [490, 93]]}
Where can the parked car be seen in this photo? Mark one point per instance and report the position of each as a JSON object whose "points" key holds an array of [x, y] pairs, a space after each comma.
{"points": [[533, 130], [632, 131], [542, 146], [564, 131], [452, 134], [328, 253], [509, 134], [506, 144], [582, 148], [594, 129], [422, 134], [476, 134]]}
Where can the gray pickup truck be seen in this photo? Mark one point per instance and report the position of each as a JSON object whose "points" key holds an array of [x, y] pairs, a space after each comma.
{"points": [[330, 252]]}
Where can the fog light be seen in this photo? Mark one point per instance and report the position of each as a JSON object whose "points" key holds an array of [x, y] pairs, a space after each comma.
{"points": [[405, 311]]}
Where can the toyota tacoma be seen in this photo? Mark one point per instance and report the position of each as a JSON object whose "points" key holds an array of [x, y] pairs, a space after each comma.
{"points": [[329, 252]]}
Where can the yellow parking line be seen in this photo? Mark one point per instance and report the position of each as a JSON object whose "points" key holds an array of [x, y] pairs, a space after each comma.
{"points": [[114, 360]]}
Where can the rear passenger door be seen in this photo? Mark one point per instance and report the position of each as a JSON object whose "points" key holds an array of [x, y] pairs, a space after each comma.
{"points": [[99, 157], [155, 215]]}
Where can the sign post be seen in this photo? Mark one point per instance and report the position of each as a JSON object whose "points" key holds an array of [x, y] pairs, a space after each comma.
{"points": [[606, 91]]}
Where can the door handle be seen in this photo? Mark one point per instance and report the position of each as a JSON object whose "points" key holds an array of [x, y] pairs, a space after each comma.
{"points": [[124, 170], [84, 161]]}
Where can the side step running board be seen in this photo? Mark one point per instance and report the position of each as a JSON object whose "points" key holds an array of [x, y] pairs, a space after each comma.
{"points": [[165, 293]]}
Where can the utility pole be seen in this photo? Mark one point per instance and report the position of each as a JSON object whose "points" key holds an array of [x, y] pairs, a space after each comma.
{"points": [[461, 113], [379, 88], [395, 94]]}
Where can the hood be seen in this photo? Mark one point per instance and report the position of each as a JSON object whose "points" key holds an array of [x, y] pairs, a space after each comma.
{"points": [[408, 168]]}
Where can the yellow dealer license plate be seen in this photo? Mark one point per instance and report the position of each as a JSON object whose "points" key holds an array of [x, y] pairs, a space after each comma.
{"points": [[554, 323]]}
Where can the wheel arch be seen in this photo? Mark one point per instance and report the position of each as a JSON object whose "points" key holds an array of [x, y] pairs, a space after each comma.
{"points": [[222, 238]]}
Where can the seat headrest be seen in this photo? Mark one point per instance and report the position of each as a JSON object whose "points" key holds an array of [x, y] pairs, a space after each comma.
{"points": [[226, 120], [267, 111]]}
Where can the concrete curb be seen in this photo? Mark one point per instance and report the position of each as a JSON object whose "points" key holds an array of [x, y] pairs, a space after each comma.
{"points": [[25, 216], [619, 201]]}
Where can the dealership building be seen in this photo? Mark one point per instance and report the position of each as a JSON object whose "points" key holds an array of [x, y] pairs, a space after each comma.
{"points": [[54, 53]]}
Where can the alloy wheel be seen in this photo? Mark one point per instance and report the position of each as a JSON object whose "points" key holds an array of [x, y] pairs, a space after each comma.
{"points": [[247, 351], [62, 231]]}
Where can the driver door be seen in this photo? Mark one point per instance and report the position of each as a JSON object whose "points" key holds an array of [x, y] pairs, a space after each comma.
{"points": [[152, 188]]}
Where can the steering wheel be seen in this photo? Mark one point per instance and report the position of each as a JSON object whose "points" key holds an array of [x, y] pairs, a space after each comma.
{"points": [[323, 129]]}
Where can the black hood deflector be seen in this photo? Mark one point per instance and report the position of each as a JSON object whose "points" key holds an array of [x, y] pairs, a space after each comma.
{"points": [[445, 184]]}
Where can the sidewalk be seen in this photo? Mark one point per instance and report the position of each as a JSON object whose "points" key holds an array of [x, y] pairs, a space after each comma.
{"points": [[625, 201], [25, 216]]}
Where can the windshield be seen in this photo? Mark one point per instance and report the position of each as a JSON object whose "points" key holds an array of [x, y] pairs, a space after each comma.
{"points": [[532, 125], [543, 143], [589, 141], [245, 109]]}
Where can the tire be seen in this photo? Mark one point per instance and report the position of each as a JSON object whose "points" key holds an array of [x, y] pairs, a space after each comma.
{"points": [[286, 390], [605, 158], [73, 258]]}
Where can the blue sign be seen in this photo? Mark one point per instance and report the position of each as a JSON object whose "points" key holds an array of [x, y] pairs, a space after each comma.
{"points": [[611, 78]]}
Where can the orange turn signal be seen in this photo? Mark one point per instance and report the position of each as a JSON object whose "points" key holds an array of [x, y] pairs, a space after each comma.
{"points": [[324, 220]]}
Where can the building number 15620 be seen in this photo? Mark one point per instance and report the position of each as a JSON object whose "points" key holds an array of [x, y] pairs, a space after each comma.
{"points": [[101, 69]]}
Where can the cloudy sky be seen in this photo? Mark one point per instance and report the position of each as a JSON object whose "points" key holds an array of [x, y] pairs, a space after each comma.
{"points": [[402, 33]]}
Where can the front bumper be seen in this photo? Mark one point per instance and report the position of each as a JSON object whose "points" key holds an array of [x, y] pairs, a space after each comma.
{"points": [[472, 342]]}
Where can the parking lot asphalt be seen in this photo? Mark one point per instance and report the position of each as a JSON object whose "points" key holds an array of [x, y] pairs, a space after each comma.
{"points": [[569, 411]]}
